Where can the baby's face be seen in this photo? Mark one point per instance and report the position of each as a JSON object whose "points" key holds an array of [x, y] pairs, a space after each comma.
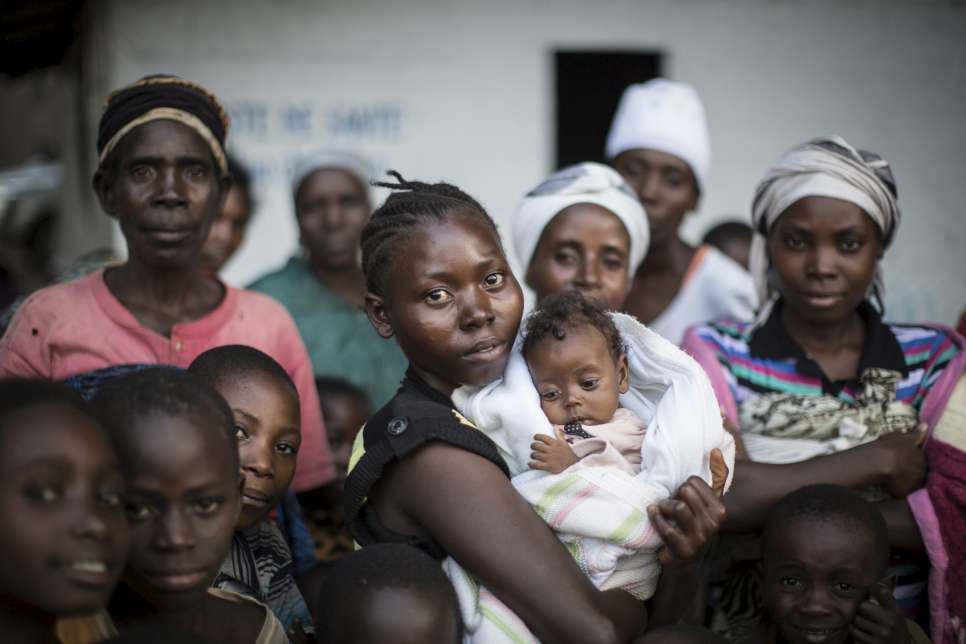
{"points": [[577, 377]]}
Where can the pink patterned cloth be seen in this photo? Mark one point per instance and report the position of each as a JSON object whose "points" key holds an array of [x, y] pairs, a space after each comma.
{"points": [[80, 326]]}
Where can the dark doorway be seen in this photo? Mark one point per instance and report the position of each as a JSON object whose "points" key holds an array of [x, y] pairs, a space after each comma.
{"points": [[589, 85]]}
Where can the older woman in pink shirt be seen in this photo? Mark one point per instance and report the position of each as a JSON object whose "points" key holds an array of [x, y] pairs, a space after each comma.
{"points": [[162, 174]]}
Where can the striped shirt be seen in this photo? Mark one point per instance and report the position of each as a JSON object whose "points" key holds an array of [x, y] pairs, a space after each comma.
{"points": [[767, 360]]}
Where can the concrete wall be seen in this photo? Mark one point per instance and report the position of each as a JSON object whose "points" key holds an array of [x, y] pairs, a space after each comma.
{"points": [[463, 91]]}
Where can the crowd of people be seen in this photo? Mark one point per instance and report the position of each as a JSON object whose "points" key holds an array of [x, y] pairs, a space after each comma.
{"points": [[377, 443]]}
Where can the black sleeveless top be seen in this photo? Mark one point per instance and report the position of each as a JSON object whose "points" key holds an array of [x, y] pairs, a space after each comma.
{"points": [[416, 415]]}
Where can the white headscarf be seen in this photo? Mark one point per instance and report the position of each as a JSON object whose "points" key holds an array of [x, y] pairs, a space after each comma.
{"points": [[310, 162], [823, 167], [666, 116], [587, 182]]}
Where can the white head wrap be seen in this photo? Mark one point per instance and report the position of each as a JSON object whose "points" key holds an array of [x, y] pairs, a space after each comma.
{"points": [[307, 164], [823, 167], [666, 116], [587, 182]]}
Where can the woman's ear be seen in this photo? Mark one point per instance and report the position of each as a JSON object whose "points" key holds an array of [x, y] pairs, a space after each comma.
{"points": [[378, 315], [623, 374], [103, 183]]}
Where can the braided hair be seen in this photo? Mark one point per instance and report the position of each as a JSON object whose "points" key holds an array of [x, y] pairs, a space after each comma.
{"points": [[413, 203]]}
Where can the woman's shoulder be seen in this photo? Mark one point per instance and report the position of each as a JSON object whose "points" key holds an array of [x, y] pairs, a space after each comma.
{"points": [[409, 431], [412, 418], [725, 336], [75, 296], [926, 342]]}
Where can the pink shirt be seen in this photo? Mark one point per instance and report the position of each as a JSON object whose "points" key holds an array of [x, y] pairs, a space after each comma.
{"points": [[80, 326]]}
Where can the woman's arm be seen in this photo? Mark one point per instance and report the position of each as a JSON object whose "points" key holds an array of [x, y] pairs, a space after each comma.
{"points": [[467, 504], [895, 461], [687, 523]]}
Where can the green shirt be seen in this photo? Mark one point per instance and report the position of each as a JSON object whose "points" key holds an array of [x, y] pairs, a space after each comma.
{"points": [[339, 338]]}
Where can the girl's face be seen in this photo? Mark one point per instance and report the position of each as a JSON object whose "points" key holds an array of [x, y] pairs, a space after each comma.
{"points": [[577, 378], [267, 424], [585, 248], [824, 253], [451, 302], [184, 498], [64, 535], [665, 185]]}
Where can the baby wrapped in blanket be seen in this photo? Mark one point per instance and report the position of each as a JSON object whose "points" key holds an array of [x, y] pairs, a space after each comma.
{"points": [[635, 418], [579, 366]]}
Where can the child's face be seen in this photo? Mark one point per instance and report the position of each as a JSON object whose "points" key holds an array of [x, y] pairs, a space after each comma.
{"points": [[452, 303], [183, 503], [267, 426], [64, 534], [577, 377], [584, 248], [403, 616], [344, 416], [815, 575]]}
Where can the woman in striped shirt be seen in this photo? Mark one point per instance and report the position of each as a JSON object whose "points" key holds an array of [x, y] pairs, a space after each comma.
{"points": [[823, 390]]}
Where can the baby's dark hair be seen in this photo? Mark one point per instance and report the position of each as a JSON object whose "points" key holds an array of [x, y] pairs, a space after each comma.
{"points": [[569, 310], [20, 393], [169, 391], [237, 361], [377, 567], [412, 203], [830, 505]]}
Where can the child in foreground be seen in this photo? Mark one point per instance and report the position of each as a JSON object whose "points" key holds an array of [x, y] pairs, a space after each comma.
{"points": [[175, 439], [388, 593], [579, 366], [825, 552], [265, 407], [64, 534]]}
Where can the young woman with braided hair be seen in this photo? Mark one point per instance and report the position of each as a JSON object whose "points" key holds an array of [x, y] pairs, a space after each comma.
{"points": [[439, 282]]}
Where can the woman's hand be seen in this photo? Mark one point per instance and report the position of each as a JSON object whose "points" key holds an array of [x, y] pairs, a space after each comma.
{"points": [[903, 461], [691, 518]]}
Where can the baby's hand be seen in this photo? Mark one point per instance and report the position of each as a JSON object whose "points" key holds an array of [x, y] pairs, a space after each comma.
{"points": [[878, 620], [551, 454]]}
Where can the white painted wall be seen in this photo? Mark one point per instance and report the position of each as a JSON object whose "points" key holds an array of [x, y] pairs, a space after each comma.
{"points": [[462, 91]]}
